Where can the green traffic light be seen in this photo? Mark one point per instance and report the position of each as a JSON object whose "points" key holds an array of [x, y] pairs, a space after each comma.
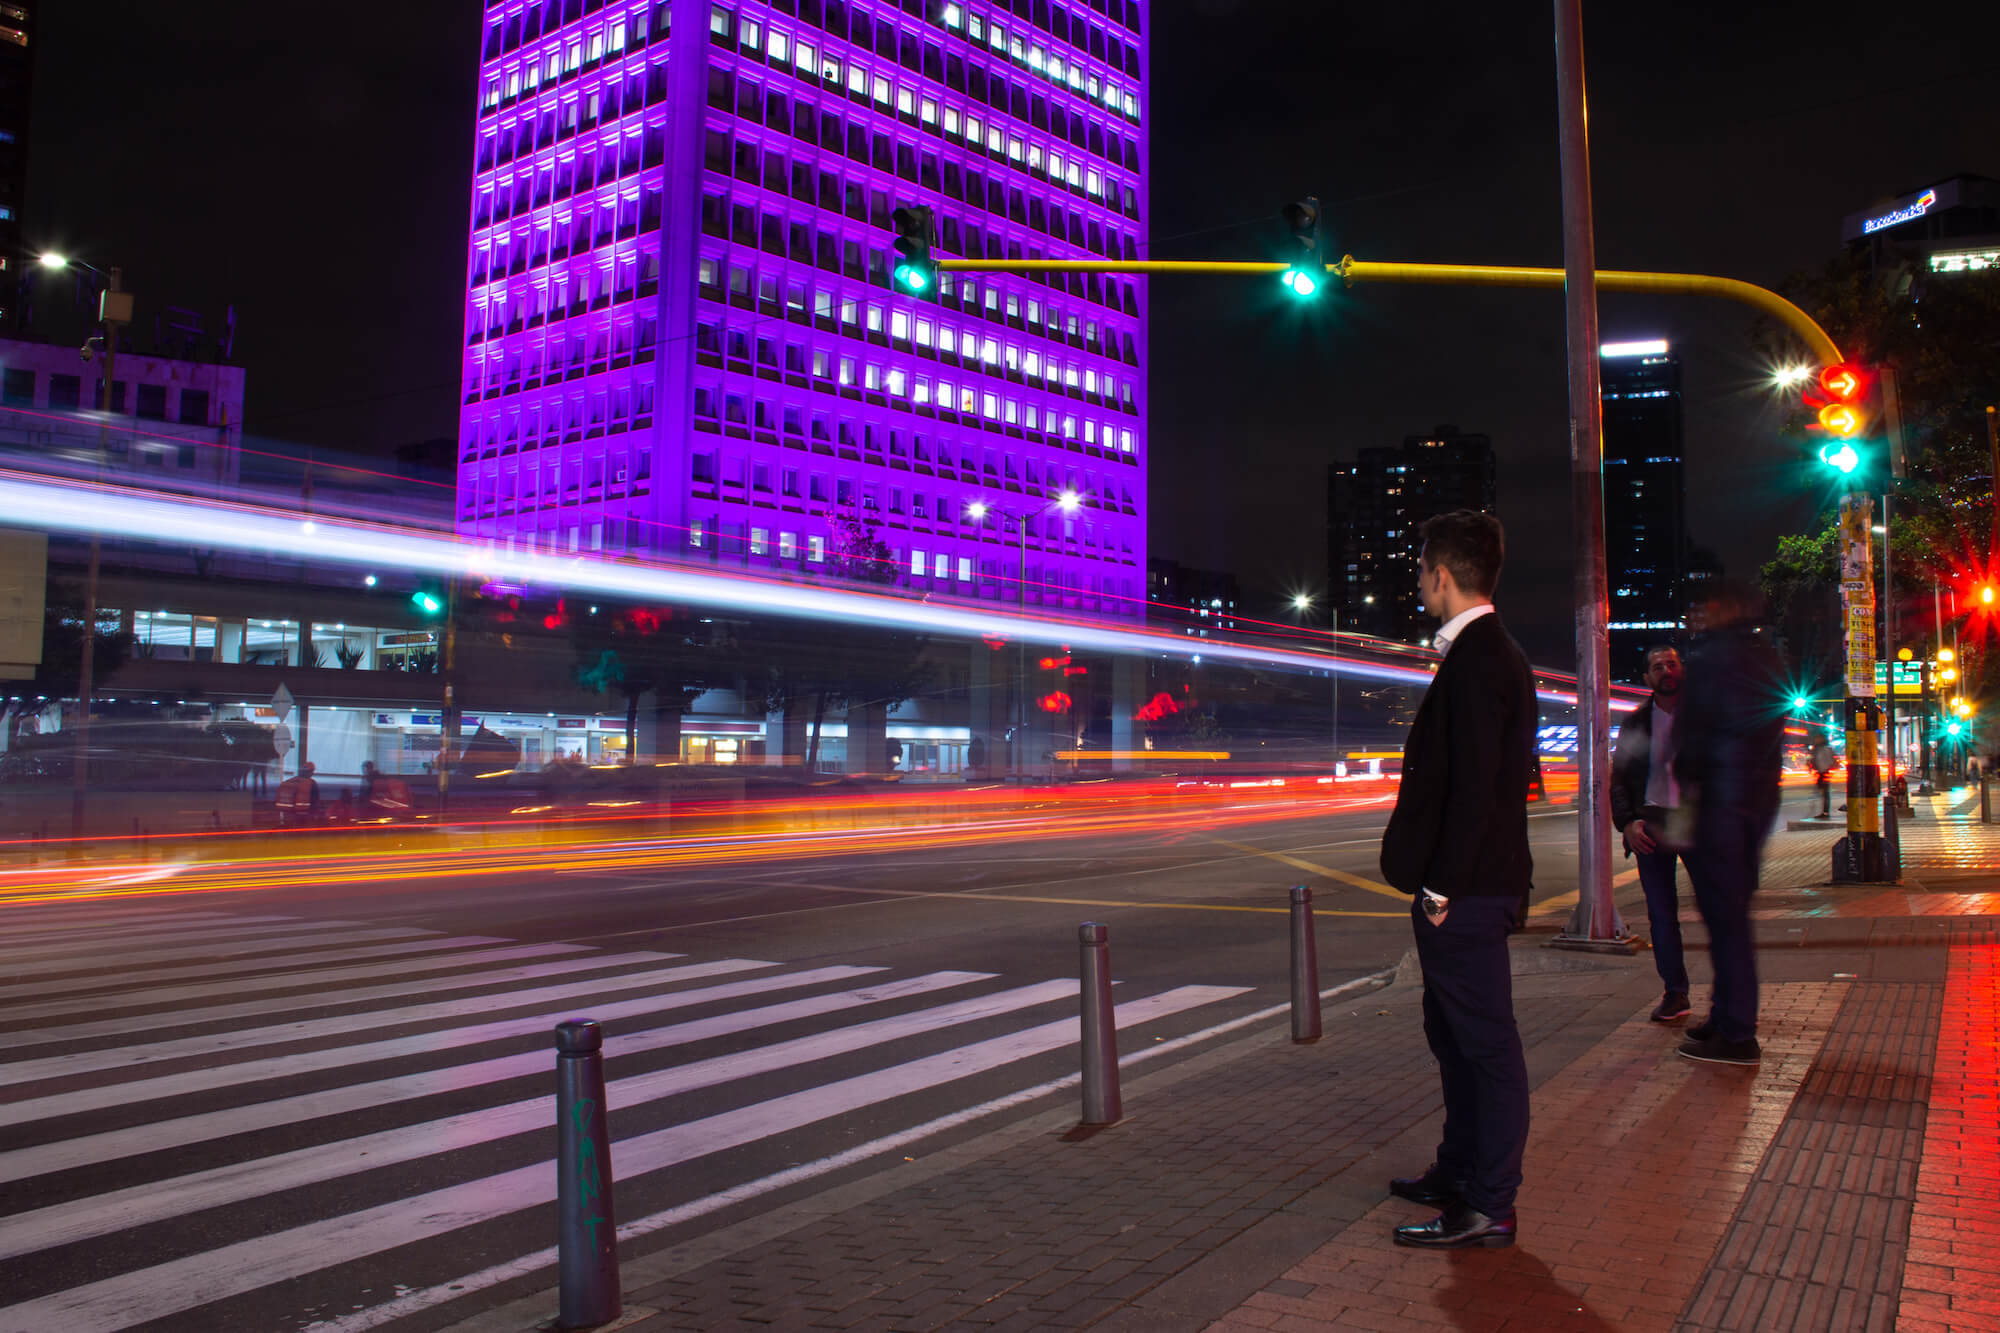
{"points": [[1800, 702], [1951, 729], [1840, 456], [912, 277], [426, 602], [1300, 282]]}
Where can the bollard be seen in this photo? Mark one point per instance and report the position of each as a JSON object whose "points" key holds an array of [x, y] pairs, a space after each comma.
{"points": [[1892, 841], [1101, 1103], [1305, 968], [587, 1246]]}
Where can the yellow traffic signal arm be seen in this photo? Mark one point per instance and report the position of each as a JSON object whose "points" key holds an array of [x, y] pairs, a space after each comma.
{"points": [[1353, 270]]}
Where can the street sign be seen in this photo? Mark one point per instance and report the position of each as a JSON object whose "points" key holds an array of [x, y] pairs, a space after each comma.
{"points": [[281, 738], [281, 699]]}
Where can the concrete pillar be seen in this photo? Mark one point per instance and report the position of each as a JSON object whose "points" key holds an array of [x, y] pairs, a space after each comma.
{"points": [[659, 730], [986, 757], [785, 736], [1128, 680], [868, 738]]}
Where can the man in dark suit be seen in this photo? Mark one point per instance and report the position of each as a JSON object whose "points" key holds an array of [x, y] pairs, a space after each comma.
{"points": [[1458, 842]]}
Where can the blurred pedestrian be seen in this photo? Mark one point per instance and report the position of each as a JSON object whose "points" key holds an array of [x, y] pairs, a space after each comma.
{"points": [[1643, 798], [1728, 754], [1458, 843]]}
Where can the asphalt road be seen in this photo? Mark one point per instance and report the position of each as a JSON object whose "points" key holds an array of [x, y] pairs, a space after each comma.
{"points": [[325, 1106]]}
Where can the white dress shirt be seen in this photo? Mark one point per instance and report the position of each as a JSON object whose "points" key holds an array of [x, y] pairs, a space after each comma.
{"points": [[1448, 633]]}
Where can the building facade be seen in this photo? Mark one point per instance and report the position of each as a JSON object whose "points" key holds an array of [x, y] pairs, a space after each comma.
{"points": [[1645, 500], [681, 340], [169, 417], [1197, 602], [1376, 506], [1944, 229]]}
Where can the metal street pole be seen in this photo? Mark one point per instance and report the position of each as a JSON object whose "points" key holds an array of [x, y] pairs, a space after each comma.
{"points": [[1993, 451], [1594, 924], [1021, 676], [1887, 650], [1334, 671], [114, 311]]}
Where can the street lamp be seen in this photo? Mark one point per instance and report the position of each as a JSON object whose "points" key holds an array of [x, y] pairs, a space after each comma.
{"points": [[114, 310], [1068, 502], [1302, 603]]}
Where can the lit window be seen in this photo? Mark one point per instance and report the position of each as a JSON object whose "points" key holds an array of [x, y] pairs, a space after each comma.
{"points": [[748, 34], [881, 91], [696, 531], [906, 102], [718, 20], [964, 570], [803, 55], [760, 541], [1055, 67], [1013, 147], [923, 394], [923, 333], [997, 36], [1032, 363], [968, 401], [874, 319], [823, 304], [618, 35], [897, 382], [871, 377], [847, 370], [830, 71], [995, 141], [1075, 176], [1036, 58], [952, 16], [816, 550], [899, 324], [788, 546], [822, 364], [1034, 157], [779, 47], [990, 405], [927, 113], [1125, 441], [950, 126], [974, 27], [857, 80], [916, 565], [972, 128], [942, 569], [1055, 164], [1095, 183]]}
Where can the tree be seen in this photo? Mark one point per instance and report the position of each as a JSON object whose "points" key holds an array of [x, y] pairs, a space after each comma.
{"points": [[637, 650], [835, 662], [1941, 337]]}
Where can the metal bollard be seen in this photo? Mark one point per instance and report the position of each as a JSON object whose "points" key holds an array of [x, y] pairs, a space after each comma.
{"points": [[1892, 841], [1305, 967], [587, 1244], [1101, 1103]]}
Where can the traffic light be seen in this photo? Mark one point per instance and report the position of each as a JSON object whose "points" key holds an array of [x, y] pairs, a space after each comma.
{"points": [[915, 272], [1306, 273], [427, 601], [1843, 402]]}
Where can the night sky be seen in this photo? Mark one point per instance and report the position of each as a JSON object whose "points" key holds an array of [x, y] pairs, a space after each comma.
{"points": [[311, 167]]}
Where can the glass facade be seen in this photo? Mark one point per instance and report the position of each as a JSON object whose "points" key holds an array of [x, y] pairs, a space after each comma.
{"points": [[1645, 499], [681, 341]]}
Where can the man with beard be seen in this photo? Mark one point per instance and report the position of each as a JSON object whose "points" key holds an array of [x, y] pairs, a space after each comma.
{"points": [[1643, 795]]}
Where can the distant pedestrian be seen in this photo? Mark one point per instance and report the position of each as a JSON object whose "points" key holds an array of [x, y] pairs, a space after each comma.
{"points": [[1644, 796], [1728, 754], [1458, 843]]}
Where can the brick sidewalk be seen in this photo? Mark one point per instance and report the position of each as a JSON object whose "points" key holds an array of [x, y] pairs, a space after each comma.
{"points": [[1850, 1182]]}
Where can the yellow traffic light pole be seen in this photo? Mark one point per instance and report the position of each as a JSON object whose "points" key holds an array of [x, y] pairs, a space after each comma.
{"points": [[1351, 270]]}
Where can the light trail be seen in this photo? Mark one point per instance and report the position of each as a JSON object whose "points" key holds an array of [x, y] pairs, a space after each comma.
{"points": [[755, 834], [78, 507]]}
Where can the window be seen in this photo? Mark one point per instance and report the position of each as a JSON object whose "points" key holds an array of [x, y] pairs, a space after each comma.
{"points": [[17, 389], [965, 569], [152, 398], [917, 563], [697, 530], [194, 407], [816, 550], [942, 569], [788, 546], [760, 541]]}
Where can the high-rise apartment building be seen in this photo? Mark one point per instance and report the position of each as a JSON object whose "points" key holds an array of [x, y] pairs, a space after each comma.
{"points": [[1645, 500], [1377, 504], [17, 65], [681, 339]]}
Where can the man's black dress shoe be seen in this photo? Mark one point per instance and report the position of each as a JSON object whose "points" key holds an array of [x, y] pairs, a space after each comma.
{"points": [[1433, 1187], [1459, 1227], [1702, 1031]]}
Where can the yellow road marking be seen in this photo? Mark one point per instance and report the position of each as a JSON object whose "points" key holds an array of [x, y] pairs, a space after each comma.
{"points": [[982, 895], [1344, 876], [1565, 902]]}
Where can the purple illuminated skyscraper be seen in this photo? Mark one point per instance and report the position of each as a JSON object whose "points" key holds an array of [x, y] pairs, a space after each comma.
{"points": [[681, 340]]}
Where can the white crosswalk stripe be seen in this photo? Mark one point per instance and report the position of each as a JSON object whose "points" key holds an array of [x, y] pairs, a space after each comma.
{"points": [[264, 1136]]}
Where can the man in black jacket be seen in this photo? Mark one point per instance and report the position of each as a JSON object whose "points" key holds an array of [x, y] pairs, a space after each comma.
{"points": [[1727, 759], [1643, 793], [1458, 842]]}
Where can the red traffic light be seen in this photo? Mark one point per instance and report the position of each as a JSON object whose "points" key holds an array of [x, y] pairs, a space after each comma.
{"points": [[1840, 381]]}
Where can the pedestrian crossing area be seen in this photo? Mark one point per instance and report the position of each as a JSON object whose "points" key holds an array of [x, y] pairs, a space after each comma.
{"points": [[215, 1120]]}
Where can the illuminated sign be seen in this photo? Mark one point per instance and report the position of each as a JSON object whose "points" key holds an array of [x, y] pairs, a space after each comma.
{"points": [[1909, 212], [1964, 261], [1652, 347]]}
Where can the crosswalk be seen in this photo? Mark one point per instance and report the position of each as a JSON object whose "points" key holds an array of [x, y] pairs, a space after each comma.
{"points": [[233, 1120]]}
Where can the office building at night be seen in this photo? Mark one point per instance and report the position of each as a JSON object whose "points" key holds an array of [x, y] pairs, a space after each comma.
{"points": [[1942, 230], [681, 341], [1645, 500], [1377, 504]]}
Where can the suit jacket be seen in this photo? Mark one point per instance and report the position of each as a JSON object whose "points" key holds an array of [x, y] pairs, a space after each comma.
{"points": [[1461, 820]]}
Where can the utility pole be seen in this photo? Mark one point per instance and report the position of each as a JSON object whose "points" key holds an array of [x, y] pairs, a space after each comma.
{"points": [[1993, 451], [114, 312], [1595, 924]]}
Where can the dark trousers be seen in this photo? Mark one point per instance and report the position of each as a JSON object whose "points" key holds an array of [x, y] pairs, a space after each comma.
{"points": [[1663, 914], [1469, 1021], [1723, 868]]}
